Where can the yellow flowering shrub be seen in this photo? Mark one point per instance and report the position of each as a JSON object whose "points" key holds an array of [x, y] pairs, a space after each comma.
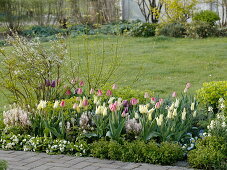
{"points": [[211, 92]]}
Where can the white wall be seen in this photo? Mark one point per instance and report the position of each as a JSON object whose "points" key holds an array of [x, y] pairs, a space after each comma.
{"points": [[131, 11]]}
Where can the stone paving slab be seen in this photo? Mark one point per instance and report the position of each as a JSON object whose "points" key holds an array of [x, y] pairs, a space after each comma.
{"points": [[19, 160]]}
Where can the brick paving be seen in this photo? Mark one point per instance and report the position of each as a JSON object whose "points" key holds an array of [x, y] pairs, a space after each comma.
{"points": [[19, 160]]}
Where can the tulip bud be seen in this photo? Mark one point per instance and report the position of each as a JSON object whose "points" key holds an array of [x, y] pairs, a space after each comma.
{"points": [[79, 91], [62, 104], [174, 94], [53, 84], [109, 93], [81, 83], [92, 91], [47, 83], [99, 93], [68, 92], [85, 102], [114, 86], [153, 100], [157, 105]]}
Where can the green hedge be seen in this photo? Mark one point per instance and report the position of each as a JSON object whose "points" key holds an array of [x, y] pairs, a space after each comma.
{"points": [[138, 151], [210, 153]]}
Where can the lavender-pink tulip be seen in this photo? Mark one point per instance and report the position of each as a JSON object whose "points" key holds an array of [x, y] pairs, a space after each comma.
{"points": [[174, 94], [79, 91], [68, 92], [99, 93], [81, 83], [85, 102], [134, 101], [109, 93], [157, 105], [113, 107]]}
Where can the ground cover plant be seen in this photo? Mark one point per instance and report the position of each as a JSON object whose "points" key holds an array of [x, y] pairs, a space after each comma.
{"points": [[67, 101]]}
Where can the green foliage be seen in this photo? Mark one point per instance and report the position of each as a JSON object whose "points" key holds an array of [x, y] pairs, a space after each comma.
{"points": [[138, 151], [115, 150], [143, 30], [210, 153], [199, 29], [179, 10], [172, 30], [31, 72], [206, 16], [211, 92], [128, 93], [42, 31], [116, 124], [100, 149], [3, 165], [222, 32]]}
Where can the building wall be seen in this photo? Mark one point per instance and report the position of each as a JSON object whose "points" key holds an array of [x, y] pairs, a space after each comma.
{"points": [[131, 11]]}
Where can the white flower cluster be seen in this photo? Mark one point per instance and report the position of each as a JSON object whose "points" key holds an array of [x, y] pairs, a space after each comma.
{"points": [[48, 145], [219, 122], [132, 126], [11, 143], [16, 116]]}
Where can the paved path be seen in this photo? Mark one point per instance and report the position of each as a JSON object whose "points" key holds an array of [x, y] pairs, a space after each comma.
{"points": [[19, 160]]}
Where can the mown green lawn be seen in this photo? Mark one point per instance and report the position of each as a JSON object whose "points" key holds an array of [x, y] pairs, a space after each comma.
{"points": [[167, 63]]}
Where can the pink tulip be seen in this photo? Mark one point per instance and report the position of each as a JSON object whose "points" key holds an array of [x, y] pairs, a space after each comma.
{"points": [[134, 101], [123, 114], [92, 91], [85, 102], [99, 93], [79, 91], [81, 83], [161, 101], [62, 104], [153, 100], [113, 107], [146, 95], [157, 105], [114, 86], [174, 94], [109, 93], [68, 92]]}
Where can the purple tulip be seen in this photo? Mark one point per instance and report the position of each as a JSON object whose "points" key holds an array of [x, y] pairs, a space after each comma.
{"points": [[47, 83], [125, 103], [126, 109], [53, 83]]}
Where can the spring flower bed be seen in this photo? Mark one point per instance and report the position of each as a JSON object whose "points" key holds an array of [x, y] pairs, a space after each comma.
{"points": [[57, 114], [105, 126]]}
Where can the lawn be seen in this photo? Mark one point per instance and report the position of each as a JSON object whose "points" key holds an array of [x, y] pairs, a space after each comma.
{"points": [[167, 63]]}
